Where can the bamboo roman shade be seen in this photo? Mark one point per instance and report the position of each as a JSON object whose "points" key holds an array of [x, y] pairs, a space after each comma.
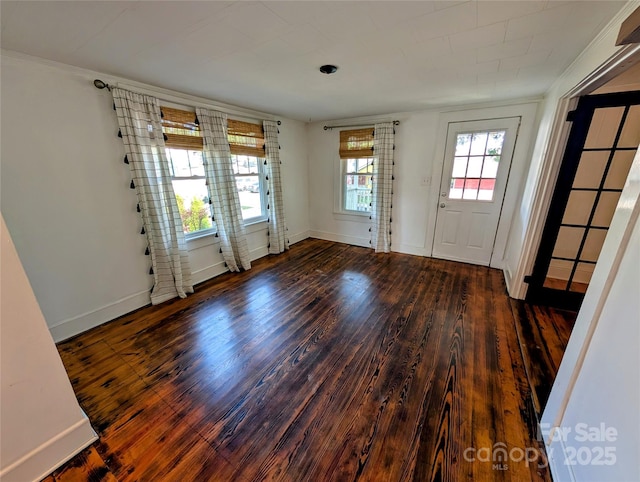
{"points": [[356, 143], [181, 129], [245, 139]]}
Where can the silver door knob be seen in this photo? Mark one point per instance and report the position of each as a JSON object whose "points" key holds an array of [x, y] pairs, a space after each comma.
{"points": [[442, 205]]}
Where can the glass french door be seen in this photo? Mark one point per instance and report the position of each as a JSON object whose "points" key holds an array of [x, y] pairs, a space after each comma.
{"points": [[602, 144]]}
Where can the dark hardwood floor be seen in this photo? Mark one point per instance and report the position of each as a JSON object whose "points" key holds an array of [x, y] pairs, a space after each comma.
{"points": [[543, 333], [328, 362]]}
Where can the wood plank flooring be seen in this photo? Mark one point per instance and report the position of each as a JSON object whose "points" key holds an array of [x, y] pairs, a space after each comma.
{"points": [[328, 362], [543, 333]]}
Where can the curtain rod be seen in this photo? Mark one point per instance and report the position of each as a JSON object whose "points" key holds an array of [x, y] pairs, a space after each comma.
{"points": [[99, 84], [328, 128]]}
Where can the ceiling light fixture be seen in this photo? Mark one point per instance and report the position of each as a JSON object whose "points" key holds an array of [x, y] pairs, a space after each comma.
{"points": [[328, 69]]}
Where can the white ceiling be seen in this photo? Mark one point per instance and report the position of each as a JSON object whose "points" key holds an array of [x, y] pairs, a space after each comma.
{"points": [[392, 55]]}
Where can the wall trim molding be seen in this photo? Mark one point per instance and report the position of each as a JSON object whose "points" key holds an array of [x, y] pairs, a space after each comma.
{"points": [[48, 456], [85, 321], [340, 238]]}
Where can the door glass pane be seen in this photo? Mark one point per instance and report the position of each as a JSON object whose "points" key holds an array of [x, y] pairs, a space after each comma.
{"points": [[455, 191], [582, 277], [558, 274], [487, 187], [459, 167], [479, 143], [579, 207], [490, 167], [605, 209], [568, 242], [463, 144], [590, 169], [593, 244], [630, 136], [619, 169], [603, 128], [475, 166], [471, 188]]}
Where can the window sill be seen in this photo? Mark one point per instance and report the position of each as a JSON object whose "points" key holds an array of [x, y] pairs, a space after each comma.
{"points": [[208, 238], [355, 216]]}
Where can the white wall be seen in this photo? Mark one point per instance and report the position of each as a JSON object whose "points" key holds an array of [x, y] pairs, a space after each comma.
{"points": [[524, 235], [420, 141], [598, 381], [67, 202], [42, 423]]}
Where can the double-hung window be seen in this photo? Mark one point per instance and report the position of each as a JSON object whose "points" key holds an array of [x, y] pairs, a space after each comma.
{"points": [[356, 161], [184, 145], [246, 142]]}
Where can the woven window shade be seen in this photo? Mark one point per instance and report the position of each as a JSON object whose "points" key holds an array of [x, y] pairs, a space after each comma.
{"points": [[356, 143], [181, 129], [245, 139]]}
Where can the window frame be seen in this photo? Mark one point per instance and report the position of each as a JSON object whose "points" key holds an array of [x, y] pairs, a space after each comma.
{"points": [[344, 173], [262, 183], [201, 232]]}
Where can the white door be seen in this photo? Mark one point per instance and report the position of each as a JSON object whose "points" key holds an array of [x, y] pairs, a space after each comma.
{"points": [[474, 177]]}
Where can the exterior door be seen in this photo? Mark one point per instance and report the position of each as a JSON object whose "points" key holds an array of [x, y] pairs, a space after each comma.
{"points": [[474, 177], [602, 143]]}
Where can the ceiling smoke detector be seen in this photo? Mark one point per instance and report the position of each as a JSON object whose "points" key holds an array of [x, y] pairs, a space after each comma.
{"points": [[328, 69]]}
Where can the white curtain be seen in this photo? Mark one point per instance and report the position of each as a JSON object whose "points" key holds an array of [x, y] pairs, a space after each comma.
{"points": [[382, 187], [278, 241], [141, 130], [223, 192]]}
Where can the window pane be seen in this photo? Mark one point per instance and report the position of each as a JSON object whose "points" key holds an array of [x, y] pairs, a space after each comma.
{"points": [[455, 191], [357, 192], [195, 161], [471, 189], [352, 165], [478, 143], [250, 199], [475, 166], [179, 158], [242, 163], [490, 167], [193, 204], [459, 167], [463, 144], [365, 165], [494, 143], [252, 164], [486, 189]]}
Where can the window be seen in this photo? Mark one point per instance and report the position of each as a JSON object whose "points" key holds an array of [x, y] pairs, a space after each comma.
{"points": [[183, 142], [246, 142], [356, 159], [475, 165]]}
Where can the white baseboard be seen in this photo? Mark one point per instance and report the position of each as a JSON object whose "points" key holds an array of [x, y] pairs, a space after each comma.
{"points": [[341, 238], [78, 324], [50, 455], [81, 323], [506, 273], [296, 238], [409, 249]]}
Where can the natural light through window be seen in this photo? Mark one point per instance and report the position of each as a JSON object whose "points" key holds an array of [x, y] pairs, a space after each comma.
{"points": [[357, 184], [247, 170], [475, 165], [190, 189]]}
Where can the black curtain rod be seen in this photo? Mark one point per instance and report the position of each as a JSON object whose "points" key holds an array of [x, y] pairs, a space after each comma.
{"points": [[328, 128], [99, 84]]}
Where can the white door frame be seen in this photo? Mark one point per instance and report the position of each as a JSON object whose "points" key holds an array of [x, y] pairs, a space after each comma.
{"points": [[619, 62], [519, 165]]}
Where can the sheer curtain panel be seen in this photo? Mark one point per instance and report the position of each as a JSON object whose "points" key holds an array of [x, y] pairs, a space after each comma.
{"points": [[223, 191], [382, 187], [278, 241], [139, 119]]}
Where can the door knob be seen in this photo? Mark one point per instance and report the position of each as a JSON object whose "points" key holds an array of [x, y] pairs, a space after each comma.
{"points": [[442, 205], [444, 194]]}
